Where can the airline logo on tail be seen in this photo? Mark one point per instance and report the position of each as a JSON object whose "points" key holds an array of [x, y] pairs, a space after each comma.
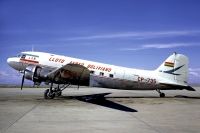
{"points": [[173, 70], [169, 64]]}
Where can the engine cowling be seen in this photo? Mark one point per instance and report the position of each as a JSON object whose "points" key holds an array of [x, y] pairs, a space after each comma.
{"points": [[36, 73]]}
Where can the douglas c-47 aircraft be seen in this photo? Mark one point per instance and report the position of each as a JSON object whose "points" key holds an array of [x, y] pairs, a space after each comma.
{"points": [[62, 70]]}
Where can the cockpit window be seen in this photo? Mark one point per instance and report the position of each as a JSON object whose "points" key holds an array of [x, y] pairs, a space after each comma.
{"points": [[23, 56]]}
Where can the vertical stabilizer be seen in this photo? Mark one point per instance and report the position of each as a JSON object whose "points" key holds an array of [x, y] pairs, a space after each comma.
{"points": [[175, 69]]}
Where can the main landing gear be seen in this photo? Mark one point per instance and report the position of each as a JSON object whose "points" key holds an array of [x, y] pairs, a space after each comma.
{"points": [[52, 92], [161, 93]]}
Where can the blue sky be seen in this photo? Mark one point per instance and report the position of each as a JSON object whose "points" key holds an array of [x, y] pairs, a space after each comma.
{"points": [[131, 33]]}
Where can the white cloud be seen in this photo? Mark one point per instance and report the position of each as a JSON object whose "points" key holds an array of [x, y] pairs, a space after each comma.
{"points": [[9, 74], [3, 74], [170, 45], [137, 35], [194, 72], [159, 46], [10, 77]]}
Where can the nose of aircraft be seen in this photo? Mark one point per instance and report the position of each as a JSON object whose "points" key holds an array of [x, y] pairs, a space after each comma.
{"points": [[14, 63], [9, 60]]}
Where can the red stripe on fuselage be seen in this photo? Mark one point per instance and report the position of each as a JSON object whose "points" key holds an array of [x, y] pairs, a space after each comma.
{"points": [[29, 61]]}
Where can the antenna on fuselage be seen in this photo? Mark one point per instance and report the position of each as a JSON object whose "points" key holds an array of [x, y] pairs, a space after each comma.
{"points": [[32, 48]]}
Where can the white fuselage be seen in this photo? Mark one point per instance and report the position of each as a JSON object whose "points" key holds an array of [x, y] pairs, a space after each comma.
{"points": [[103, 75]]}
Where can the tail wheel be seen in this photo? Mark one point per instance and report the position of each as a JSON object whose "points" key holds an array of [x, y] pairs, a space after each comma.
{"points": [[162, 94]]}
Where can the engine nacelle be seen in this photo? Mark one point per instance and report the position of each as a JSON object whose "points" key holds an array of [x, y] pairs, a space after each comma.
{"points": [[36, 73]]}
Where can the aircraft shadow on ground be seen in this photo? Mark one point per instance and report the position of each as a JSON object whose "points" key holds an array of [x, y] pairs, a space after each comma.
{"points": [[176, 96], [189, 97], [99, 99]]}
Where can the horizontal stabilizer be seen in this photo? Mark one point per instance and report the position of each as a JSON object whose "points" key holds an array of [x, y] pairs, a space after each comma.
{"points": [[189, 88], [176, 86]]}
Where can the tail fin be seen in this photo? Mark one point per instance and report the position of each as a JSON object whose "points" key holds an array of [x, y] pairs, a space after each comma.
{"points": [[175, 69]]}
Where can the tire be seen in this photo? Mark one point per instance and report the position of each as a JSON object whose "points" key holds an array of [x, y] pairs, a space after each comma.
{"points": [[48, 95], [162, 94]]}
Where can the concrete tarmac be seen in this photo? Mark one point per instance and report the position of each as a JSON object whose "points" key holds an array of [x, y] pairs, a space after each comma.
{"points": [[84, 111]]}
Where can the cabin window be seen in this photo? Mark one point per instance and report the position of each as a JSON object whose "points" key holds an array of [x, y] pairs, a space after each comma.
{"points": [[91, 72], [111, 75], [101, 73]]}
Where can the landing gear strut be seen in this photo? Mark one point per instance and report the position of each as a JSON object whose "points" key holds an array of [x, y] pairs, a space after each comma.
{"points": [[52, 92], [161, 93], [49, 94]]}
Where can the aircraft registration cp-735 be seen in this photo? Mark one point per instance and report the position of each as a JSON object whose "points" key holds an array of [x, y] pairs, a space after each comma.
{"points": [[52, 69]]}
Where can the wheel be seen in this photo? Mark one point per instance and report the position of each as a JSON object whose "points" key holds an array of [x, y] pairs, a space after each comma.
{"points": [[162, 94], [48, 95]]}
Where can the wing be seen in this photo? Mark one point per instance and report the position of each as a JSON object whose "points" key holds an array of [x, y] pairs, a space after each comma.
{"points": [[70, 73]]}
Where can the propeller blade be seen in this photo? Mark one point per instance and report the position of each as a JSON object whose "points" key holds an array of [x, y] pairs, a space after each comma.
{"points": [[22, 80]]}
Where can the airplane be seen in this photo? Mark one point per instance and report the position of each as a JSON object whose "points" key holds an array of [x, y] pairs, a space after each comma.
{"points": [[63, 71]]}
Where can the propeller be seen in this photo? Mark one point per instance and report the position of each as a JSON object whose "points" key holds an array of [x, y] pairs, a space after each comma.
{"points": [[23, 80]]}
